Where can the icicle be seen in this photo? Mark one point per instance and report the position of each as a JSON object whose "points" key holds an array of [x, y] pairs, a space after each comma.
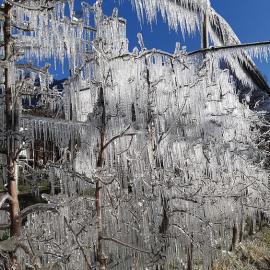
{"points": [[115, 13], [177, 48], [71, 8], [140, 41]]}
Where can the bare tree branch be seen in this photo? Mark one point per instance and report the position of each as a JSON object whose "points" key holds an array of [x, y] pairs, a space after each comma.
{"points": [[78, 243], [33, 8], [126, 245], [122, 134]]}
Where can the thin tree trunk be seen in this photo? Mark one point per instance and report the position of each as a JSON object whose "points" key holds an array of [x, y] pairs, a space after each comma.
{"points": [[98, 193], [190, 256], [250, 226], [12, 128], [100, 253], [241, 230], [234, 237]]}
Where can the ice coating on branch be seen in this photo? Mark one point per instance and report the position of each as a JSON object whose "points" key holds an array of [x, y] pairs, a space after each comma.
{"points": [[71, 8], [188, 16], [180, 164], [235, 58], [63, 34], [113, 30], [183, 13]]}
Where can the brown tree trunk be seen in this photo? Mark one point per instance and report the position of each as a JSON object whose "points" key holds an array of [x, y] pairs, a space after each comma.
{"points": [[234, 237], [190, 257], [101, 258], [12, 127], [241, 230], [250, 226]]}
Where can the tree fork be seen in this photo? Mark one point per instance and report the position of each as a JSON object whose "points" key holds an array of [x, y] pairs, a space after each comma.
{"points": [[12, 127]]}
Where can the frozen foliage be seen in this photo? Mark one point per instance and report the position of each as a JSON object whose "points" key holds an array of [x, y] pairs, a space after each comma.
{"points": [[188, 17], [184, 171], [185, 14], [64, 35], [156, 162]]}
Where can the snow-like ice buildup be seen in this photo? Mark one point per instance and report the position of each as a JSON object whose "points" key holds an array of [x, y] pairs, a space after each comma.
{"points": [[181, 164]]}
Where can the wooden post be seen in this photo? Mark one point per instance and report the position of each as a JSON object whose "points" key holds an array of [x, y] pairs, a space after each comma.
{"points": [[12, 126]]}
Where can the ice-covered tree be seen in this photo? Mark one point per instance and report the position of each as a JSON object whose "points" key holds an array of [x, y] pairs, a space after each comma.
{"points": [[157, 162]]}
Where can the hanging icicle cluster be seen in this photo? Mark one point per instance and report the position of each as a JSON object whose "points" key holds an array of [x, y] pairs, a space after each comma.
{"points": [[187, 15], [183, 14], [64, 35]]}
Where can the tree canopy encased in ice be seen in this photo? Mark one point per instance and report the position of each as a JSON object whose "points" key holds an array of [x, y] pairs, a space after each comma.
{"points": [[152, 161]]}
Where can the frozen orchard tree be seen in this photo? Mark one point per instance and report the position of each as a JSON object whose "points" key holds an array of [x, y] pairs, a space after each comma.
{"points": [[155, 162]]}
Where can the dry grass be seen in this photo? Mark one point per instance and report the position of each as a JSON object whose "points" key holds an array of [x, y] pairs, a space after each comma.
{"points": [[253, 254]]}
